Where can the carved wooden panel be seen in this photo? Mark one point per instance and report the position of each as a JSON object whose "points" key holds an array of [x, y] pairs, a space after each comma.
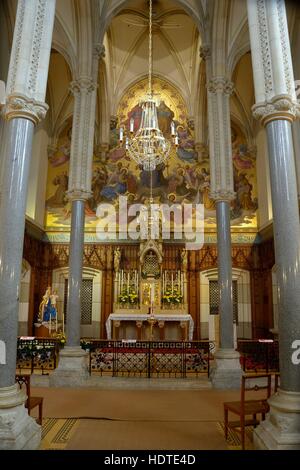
{"points": [[258, 259]]}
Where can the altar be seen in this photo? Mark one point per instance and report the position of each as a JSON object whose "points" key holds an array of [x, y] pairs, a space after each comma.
{"points": [[150, 303], [156, 327]]}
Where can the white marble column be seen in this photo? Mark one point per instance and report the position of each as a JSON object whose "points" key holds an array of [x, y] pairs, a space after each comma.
{"points": [[276, 107], [227, 370], [72, 369], [24, 108]]}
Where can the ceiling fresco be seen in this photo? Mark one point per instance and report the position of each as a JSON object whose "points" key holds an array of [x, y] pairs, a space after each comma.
{"points": [[185, 178]]}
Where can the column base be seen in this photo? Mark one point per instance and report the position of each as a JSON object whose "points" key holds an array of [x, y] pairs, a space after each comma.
{"points": [[227, 372], [72, 370], [281, 429], [18, 431]]}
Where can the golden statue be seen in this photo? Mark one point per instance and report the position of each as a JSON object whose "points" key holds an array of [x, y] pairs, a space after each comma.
{"points": [[117, 259], [184, 259]]}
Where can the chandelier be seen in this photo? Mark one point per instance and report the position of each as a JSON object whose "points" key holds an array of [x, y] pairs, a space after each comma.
{"points": [[148, 147]]}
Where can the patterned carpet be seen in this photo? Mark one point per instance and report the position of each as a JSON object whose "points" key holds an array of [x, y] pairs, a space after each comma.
{"points": [[56, 434], [234, 441]]}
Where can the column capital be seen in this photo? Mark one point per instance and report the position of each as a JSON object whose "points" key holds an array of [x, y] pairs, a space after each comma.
{"points": [[205, 51], [83, 85], [279, 107], [20, 106], [220, 85], [78, 195], [99, 51], [223, 195]]}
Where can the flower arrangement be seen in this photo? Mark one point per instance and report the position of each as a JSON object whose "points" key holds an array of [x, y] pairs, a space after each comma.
{"points": [[172, 296], [61, 338], [128, 296]]}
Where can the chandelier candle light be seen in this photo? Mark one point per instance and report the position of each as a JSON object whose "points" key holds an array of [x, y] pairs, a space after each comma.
{"points": [[148, 147]]}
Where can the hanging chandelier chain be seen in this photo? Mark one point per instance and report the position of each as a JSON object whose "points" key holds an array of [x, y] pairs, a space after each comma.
{"points": [[148, 146], [151, 186], [150, 48]]}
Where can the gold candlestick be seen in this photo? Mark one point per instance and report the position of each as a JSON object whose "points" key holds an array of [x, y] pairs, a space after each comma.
{"points": [[151, 320]]}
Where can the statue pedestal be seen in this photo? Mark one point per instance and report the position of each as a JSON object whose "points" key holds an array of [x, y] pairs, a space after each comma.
{"points": [[41, 331]]}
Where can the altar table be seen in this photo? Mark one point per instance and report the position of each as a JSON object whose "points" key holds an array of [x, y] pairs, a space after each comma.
{"points": [[138, 317]]}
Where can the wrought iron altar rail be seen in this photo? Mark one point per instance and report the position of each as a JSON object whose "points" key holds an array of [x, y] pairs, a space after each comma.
{"points": [[259, 355], [149, 358], [37, 353]]}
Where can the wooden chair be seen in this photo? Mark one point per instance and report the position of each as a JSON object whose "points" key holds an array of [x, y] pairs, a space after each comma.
{"points": [[31, 402], [244, 408], [277, 381]]}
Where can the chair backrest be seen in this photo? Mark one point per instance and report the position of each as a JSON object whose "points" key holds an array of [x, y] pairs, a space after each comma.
{"points": [[255, 383], [24, 381]]}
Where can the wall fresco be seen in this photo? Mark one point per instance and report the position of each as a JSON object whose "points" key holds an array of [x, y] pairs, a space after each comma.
{"points": [[184, 178]]}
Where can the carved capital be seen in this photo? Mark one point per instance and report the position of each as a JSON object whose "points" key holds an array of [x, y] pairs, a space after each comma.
{"points": [[161, 324], [20, 106], [99, 51], [279, 107], [78, 195], [223, 195], [83, 85], [220, 85], [205, 51], [139, 323]]}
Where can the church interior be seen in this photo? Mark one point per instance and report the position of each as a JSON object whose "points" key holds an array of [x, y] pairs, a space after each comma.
{"points": [[149, 224]]}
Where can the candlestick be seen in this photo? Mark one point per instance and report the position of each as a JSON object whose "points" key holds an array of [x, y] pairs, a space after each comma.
{"points": [[173, 131], [131, 125], [63, 323], [172, 283], [56, 322], [50, 323]]}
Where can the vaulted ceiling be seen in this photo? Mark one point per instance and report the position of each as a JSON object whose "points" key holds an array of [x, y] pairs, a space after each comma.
{"points": [[176, 45]]}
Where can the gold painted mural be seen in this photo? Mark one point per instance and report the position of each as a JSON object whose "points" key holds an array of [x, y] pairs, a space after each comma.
{"points": [[184, 178]]}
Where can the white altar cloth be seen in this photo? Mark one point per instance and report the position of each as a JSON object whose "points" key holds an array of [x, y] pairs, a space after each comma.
{"points": [[144, 317]]}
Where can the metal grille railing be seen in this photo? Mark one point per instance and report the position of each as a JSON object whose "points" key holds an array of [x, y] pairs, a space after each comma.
{"points": [[259, 355], [149, 358], [37, 354]]}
